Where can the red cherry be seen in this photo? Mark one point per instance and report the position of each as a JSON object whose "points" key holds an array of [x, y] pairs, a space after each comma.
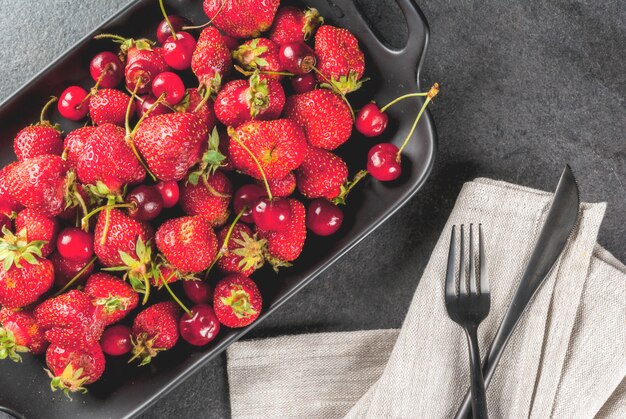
{"points": [[146, 103], [72, 104], [247, 196], [116, 340], [108, 63], [304, 83], [323, 217], [164, 31], [169, 193], [177, 51], [198, 291], [201, 327], [382, 162], [272, 215], [297, 57], [171, 84], [139, 75], [75, 244], [148, 203], [65, 270], [371, 121]]}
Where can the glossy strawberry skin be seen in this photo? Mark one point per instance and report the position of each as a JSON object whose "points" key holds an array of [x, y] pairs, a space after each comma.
{"points": [[36, 140], [245, 289], [38, 226], [112, 297], [74, 142], [292, 24], [286, 246], [235, 103], [20, 287], [106, 157], [241, 18], [39, 183], [122, 236], [324, 117], [156, 327], [108, 106], [25, 329], [205, 112], [211, 58], [339, 57], [322, 174], [90, 359], [8, 203], [171, 144], [279, 146], [65, 270], [210, 201], [188, 243]]}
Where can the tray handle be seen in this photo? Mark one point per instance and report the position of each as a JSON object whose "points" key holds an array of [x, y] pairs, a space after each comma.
{"points": [[11, 412]]}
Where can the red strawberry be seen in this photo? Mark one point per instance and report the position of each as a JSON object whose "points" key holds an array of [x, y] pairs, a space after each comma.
{"points": [[65, 270], [325, 118], [240, 101], [244, 253], [23, 284], [19, 332], [8, 204], [113, 298], [279, 146], [340, 59], [108, 106], [74, 142], [322, 174], [32, 225], [210, 198], [281, 188], [168, 274], [107, 158], [188, 243], [71, 369], [237, 301], [122, 236], [172, 143], [205, 112], [70, 320], [241, 18], [40, 183], [259, 54], [286, 246], [211, 60], [38, 139], [294, 25], [155, 329]]}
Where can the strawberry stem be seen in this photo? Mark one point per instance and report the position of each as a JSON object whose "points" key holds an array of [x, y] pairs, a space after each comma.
{"points": [[336, 90], [78, 275], [167, 19], [175, 298], [429, 96], [398, 99], [186, 28], [45, 109], [267, 186], [224, 247], [345, 189]]}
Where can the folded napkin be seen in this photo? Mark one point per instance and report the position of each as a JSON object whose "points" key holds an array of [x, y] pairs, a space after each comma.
{"points": [[567, 357]]}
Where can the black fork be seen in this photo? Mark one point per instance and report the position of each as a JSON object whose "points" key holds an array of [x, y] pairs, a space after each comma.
{"points": [[468, 309]]}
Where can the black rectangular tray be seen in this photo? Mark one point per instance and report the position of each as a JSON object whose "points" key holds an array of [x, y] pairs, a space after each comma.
{"points": [[125, 391]]}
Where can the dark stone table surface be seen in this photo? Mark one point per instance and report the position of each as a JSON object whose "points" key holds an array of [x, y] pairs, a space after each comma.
{"points": [[526, 88]]}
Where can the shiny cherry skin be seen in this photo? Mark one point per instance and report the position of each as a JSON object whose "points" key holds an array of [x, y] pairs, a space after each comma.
{"points": [[201, 327], [171, 84], [170, 193], [164, 31], [177, 51], [370, 121], [72, 104], [272, 215], [146, 103], [297, 58], [148, 203], [323, 217], [247, 196], [108, 66], [198, 292], [304, 83], [382, 163], [75, 244], [116, 341]]}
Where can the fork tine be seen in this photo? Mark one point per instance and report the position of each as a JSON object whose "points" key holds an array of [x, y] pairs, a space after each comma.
{"points": [[462, 281], [472, 266], [450, 285], [482, 272]]}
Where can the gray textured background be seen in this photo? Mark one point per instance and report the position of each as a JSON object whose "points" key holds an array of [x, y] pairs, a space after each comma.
{"points": [[526, 88]]}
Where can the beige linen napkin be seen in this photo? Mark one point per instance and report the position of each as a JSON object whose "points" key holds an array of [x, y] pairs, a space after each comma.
{"points": [[566, 359]]}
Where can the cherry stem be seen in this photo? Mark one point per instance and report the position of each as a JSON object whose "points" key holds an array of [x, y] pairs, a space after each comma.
{"points": [[133, 95], [341, 199], [147, 113], [336, 90], [186, 28], [224, 247], [83, 207], [175, 298], [117, 38], [78, 275], [249, 73], [167, 19], [130, 134], [398, 99], [45, 109], [205, 98], [267, 186], [86, 218], [429, 96]]}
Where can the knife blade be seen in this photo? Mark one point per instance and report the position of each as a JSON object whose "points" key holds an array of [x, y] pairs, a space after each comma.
{"points": [[557, 228]]}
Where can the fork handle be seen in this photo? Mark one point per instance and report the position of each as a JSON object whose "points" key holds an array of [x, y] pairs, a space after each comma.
{"points": [[479, 398]]}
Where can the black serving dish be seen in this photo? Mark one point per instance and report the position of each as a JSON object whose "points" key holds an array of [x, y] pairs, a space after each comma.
{"points": [[125, 391]]}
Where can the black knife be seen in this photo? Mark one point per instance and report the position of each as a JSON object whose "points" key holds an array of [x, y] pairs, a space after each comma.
{"points": [[556, 230]]}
